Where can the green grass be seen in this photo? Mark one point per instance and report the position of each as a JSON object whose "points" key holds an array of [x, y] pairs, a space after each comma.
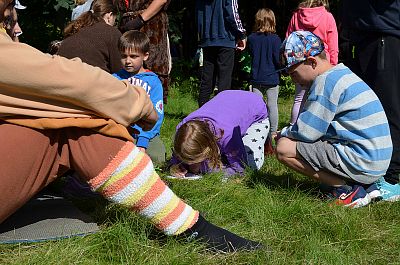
{"points": [[275, 206]]}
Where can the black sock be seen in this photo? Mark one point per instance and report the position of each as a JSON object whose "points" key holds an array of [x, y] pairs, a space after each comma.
{"points": [[218, 238], [392, 178]]}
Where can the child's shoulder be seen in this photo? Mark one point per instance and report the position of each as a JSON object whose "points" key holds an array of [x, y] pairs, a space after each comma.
{"points": [[147, 73], [263, 35], [149, 77], [122, 74]]}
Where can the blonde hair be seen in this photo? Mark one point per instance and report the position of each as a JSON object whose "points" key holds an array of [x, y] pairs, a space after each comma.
{"points": [[195, 142], [314, 3], [265, 21]]}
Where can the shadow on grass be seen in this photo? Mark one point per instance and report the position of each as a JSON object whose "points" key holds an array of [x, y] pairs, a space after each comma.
{"points": [[178, 116], [286, 181]]}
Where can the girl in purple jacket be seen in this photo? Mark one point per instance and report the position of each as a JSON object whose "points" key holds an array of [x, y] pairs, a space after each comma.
{"points": [[227, 133]]}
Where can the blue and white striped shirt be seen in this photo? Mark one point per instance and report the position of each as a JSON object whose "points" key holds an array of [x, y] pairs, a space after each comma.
{"points": [[343, 110]]}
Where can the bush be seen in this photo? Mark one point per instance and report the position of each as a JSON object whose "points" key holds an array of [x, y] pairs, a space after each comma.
{"points": [[184, 77], [286, 87]]}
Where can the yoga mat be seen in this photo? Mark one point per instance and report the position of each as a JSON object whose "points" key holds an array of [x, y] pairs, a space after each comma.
{"points": [[46, 217]]}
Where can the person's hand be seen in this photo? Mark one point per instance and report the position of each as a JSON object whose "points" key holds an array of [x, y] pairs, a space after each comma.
{"points": [[241, 44], [147, 123], [195, 168], [276, 136], [134, 24], [142, 149], [178, 171]]}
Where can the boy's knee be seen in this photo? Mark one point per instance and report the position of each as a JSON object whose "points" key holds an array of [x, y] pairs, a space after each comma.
{"points": [[284, 149]]}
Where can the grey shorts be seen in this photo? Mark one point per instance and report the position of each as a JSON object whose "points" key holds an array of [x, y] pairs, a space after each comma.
{"points": [[321, 155]]}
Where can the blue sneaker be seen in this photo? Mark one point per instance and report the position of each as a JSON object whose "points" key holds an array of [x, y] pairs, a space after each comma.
{"points": [[351, 196], [374, 192], [387, 192]]}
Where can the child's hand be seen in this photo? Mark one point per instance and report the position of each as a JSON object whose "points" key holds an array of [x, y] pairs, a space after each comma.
{"points": [[178, 171], [195, 168], [277, 136], [142, 149], [241, 44]]}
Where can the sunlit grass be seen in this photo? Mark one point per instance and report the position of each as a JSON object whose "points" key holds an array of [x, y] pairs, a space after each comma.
{"points": [[275, 206]]}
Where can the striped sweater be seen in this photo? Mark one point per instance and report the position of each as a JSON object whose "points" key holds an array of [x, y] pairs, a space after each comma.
{"points": [[344, 111]]}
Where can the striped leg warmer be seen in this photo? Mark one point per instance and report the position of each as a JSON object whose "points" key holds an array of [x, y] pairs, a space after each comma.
{"points": [[129, 179]]}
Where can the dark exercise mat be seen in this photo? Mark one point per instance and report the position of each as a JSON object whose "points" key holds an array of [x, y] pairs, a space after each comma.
{"points": [[46, 217]]}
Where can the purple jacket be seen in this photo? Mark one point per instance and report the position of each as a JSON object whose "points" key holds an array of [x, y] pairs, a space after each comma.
{"points": [[232, 111]]}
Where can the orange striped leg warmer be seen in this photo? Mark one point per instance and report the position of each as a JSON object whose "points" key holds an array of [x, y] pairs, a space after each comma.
{"points": [[129, 179]]}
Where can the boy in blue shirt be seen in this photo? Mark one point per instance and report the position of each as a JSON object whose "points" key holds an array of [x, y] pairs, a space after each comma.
{"points": [[342, 136], [134, 47]]}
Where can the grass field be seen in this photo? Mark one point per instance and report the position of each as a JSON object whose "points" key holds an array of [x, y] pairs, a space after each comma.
{"points": [[275, 206]]}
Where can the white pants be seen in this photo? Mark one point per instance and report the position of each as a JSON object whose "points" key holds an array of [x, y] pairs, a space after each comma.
{"points": [[254, 140]]}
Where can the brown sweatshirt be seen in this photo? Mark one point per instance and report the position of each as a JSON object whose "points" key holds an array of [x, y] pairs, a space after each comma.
{"points": [[47, 92]]}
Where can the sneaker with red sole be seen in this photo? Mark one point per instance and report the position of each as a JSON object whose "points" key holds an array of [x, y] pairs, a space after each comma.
{"points": [[351, 196]]}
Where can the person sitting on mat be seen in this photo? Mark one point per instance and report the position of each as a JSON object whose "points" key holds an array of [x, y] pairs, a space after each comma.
{"points": [[73, 115]]}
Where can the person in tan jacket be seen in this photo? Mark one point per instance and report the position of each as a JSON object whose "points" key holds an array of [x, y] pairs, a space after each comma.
{"points": [[58, 114]]}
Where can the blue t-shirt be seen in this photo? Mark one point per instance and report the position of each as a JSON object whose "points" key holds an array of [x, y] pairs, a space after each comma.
{"points": [[153, 87]]}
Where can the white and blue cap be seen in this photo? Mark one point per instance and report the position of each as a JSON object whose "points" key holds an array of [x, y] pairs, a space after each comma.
{"points": [[298, 46]]}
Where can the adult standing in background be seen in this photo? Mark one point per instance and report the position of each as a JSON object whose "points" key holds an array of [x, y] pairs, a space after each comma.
{"points": [[150, 17], [221, 32], [93, 38], [371, 31], [82, 6]]}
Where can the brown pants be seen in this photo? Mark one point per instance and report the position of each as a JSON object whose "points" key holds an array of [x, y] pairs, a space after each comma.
{"points": [[31, 159]]}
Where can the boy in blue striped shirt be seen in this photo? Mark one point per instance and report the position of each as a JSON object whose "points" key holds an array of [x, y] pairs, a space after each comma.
{"points": [[342, 136]]}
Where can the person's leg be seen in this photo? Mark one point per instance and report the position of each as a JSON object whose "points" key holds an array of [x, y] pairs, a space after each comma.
{"points": [[254, 140], [254, 89], [207, 75], [156, 150], [319, 161], [225, 63], [29, 162], [298, 99], [272, 104], [286, 153], [123, 174]]}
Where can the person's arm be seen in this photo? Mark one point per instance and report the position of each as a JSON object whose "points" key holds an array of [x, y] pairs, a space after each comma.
{"points": [[56, 87], [153, 9], [235, 154], [275, 53], [139, 21], [156, 96], [332, 41], [313, 122], [233, 21]]}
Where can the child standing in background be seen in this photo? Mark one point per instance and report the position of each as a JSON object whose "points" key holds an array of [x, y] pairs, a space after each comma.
{"points": [[134, 47], [264, 47], [227, 133], [313, 16], [81, 7]]}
